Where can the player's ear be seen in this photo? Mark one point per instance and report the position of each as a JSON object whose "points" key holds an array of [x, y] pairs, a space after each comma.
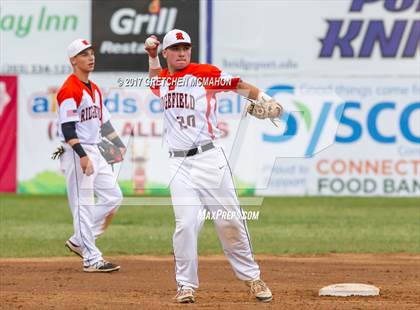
{"points": [[164, 53], [73, 60]]}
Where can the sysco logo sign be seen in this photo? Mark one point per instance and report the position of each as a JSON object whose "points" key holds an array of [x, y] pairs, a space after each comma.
{"points": [[371, 122], [395, 38]]}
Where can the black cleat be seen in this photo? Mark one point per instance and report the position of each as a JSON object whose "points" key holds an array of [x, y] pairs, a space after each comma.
{"points": [[101, 266]]}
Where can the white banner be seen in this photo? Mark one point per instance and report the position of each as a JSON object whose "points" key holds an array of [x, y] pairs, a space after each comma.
{"points": [[144, 165], [346, 72], [317, 38], [376, 147], [35, 34]]}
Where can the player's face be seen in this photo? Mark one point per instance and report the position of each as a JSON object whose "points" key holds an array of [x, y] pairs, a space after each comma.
{"points": [[178, 56], [85, 60]]}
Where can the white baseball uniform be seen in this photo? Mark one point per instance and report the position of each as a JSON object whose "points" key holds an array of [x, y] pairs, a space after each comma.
{"points": [[202, 181], [77, 103]]}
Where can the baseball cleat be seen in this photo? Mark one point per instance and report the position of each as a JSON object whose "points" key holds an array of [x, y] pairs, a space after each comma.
{"points": [[260, 290], [74, 248], [185, 295], [101, 266]]}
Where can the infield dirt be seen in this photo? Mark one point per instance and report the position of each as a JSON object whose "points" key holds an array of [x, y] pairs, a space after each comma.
{"points": [[146, 282]]}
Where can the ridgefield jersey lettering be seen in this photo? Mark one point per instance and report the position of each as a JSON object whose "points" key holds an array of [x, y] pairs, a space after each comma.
{"points": [[190, 107], [77, 103]]}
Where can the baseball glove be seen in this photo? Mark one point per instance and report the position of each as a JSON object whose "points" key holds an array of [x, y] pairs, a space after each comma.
{"points": [[265, 109], [57, 153], [110, 152]]}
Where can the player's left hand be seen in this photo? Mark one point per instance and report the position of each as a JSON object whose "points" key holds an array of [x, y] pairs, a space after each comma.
{"points": [[265, 109], [111, 152]]}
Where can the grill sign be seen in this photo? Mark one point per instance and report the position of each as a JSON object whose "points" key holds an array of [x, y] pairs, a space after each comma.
{"points": [[119, 29]]}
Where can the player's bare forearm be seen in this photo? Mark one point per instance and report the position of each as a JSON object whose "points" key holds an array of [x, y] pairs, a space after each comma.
{"points": [[151, 47], [247, 90], [72, 142]]}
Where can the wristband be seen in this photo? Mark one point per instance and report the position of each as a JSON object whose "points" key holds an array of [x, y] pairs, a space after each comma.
{"points": [[154, 63], [79, 150], [262, 97], [118, 142]]}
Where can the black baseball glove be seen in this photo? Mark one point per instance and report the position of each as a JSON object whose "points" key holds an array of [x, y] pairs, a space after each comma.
{"points": [[57, 153], [110, 152]]}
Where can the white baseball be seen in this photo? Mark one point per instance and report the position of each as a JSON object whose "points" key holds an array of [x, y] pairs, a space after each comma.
{"points": [[150, 42]]}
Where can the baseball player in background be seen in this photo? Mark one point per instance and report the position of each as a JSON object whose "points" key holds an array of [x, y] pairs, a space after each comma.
{"points": [[200, 175], [83, 120]]}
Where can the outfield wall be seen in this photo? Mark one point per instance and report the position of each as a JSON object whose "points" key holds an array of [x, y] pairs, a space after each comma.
{"points": [[347, 73]]}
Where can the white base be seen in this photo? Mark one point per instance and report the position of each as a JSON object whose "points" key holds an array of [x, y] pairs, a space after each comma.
{"points": [[349, 289]]}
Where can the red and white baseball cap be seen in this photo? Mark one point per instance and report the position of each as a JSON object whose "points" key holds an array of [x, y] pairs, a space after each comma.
{"points": [[77, 46], [176, 36]]}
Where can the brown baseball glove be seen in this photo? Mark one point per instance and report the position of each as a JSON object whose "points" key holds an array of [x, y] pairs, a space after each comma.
{"points": [[265, 109]]}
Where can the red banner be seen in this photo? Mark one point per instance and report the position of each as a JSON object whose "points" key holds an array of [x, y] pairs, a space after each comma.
{"points": [[8, 133]]}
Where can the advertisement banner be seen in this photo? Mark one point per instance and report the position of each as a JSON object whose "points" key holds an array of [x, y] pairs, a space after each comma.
{"points": [[143, 170], [338, 137], [8, 132], [376, 146], [119, 29], [318, 38], [35, 34]]}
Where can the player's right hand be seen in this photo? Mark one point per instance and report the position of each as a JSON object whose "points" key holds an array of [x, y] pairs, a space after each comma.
{"points": [[152, 50], [86, 165]]}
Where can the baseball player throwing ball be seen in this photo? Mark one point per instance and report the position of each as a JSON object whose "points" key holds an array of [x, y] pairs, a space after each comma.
{"points": [[83, 120], [200, 174]]}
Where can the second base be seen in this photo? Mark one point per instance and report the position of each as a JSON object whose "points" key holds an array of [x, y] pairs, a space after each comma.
{"points": [[349, 289]]}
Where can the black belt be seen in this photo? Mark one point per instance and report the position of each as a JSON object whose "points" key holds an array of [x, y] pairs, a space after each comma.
{"points": [[193, 151]]}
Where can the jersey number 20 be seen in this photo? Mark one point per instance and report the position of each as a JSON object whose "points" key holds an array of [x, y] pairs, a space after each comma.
{"points": [[184, 123]]}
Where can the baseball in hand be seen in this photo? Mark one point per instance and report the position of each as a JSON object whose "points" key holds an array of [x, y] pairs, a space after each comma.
{"points": [[150, 42]]}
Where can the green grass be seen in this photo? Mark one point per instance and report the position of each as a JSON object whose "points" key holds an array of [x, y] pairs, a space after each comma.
{"points": [[32, 226]]}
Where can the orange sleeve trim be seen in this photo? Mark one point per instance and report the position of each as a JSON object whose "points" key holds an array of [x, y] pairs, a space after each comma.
{"points": [[68, 91]]}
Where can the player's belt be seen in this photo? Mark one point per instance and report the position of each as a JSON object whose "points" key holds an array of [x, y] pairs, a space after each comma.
{"points": [[192, 152]]}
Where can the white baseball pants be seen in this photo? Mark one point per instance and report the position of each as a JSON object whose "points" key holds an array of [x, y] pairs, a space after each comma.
{"points": [[90, 218], [204, 182]]}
